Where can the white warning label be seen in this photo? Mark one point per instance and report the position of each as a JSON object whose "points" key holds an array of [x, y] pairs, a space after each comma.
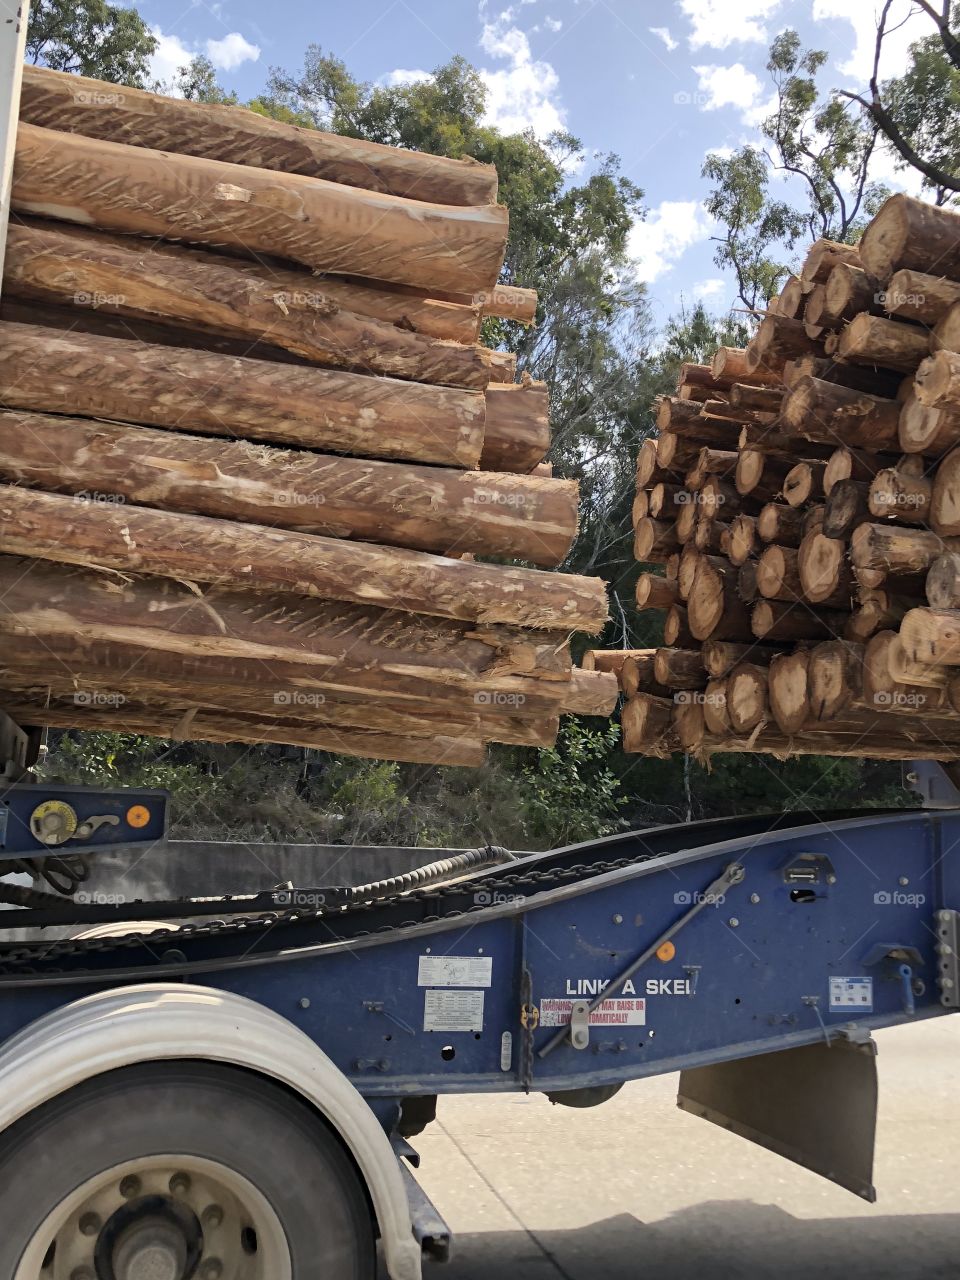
{"points": [[617, 1012], [455, 971], [453, 1011], [852, 993]]}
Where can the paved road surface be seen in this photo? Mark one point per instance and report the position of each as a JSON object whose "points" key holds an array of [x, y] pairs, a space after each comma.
{"points": [[636, 1188]]}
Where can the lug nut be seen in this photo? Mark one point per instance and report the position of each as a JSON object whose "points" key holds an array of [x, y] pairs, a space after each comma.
{"points": [[212, 1216], [89, 1224]]}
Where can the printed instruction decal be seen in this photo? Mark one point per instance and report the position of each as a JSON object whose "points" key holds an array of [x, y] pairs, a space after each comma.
{"points": [[851, 993], [453, 1011], [616, 1012], [455, 971]]}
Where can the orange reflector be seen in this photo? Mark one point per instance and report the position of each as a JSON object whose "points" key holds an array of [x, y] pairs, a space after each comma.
{"points": [[138, 815], [666, 951]]}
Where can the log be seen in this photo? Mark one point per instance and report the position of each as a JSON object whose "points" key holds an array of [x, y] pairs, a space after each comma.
{"points": [[730, 363], [321, 224], [587, 693], [203, 293], [746, 697], [647, 725], [676, 628], [823, 257], [845, 508], [689, 721], [747, 582], [853, 464], [815, 317], [946, 333], [774, 620], [778, 574], [77, 104], [881, 382], [834, 678], [195, 391], [855, 745], [927, 429], [714, 702], [664, 500], [714, 609], [647, 465], [937, 380], [423, 508], [905, 669], [781, 524], [847, 291], [911, 233], [718, 497], [894, 549], [896, 495], [654, 592], [833, 414], [743, 539], [636, 676], [690, 558], [825, 577], [943, 582], [711, 536], [685, 525], [782, 337], [721, 656], [611, 660], [679, 668], [919, 296], [891, 344], [882, 691], [640, 508], [654, 540], [203, 549], [763, 399], [517, 427], [761, 474], [803, 483], [675, 453], [711, 462], [932, 636], [787, 690], [789, 300]]}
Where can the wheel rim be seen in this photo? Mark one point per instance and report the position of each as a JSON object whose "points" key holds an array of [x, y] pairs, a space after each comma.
{"points": [[166, 1217]]}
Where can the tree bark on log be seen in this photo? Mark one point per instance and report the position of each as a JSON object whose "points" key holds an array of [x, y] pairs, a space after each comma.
{"points": [[679, 668], [747, 588], [516, 434], [199, 292], [918, 296], [878, 382], [891, 344], [647, 724], [897, 550], [943, 582], [761, 475], [845, 508], [913, 234], [194, 391], [847, 291], [321, 224], [731, 364], [77, 104], [423, 508], [763, 399], [773, 620], [781, 524], [834, 678], [830, 413], [853, 464], [203, 549], [654, 592], [721, 656], [823, 256], [676, 628]]}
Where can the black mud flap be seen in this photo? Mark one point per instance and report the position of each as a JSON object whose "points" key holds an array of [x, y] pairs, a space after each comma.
{"points": [[816, 1106]]}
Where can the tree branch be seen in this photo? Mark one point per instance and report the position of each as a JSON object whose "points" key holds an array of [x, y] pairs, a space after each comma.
{"points": [[885, 122], [950, 42]]}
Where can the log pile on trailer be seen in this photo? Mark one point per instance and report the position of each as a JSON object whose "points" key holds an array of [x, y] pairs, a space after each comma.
{"points": [[798, 517], [259, 476]]}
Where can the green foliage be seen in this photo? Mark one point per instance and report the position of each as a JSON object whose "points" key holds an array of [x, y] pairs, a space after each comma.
{"points": [[197, 82], [571, 794], [91, 38], [925, 105]]}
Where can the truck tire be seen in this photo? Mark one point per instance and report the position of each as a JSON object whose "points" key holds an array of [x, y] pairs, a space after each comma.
{"points": [[185, 1171]]}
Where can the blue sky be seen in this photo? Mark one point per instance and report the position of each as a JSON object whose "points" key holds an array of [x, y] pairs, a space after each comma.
{"points": [[659, 82]]}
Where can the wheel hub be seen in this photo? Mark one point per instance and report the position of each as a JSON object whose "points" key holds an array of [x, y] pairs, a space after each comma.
{"points": [[150, 1250]]}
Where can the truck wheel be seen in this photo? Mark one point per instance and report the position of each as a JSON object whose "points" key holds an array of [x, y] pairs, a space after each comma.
{"points": [[180, 1171]]}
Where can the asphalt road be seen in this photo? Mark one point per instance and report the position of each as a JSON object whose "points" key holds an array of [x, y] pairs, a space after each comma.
{"points": [[636, 1188]]}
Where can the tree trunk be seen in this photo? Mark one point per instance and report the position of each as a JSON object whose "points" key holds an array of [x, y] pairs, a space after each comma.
{"points": [[847, 291], [937, 381], [911, 233], [781, 524], [202, 549], [423, 508], [825, 576], [787, 690], [663, 500], [943, 581], [852, 464], [711, 536], [834, 678], [743, 539], [516, 433], [653, 541], [895, 495], [778, 577], [675, 453], [321, 224], [773, 620], [845, 508], [894, 549], [647, 725], [203, 293], [927, 429], [714, 609], [676, 628], [679, 668], [761, 399], [803, 483], [878, 382], [760, 474], [917, 296], [654, 592], [730, 363], [746, 697], [826, 411], [194, 391], [823, 257], [891, 344], [721, 656]]}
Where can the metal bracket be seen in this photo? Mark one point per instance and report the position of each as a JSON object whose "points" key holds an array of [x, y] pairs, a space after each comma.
{"points": [[809, 869], [580, 1024], [948, 950], [731, 875]]}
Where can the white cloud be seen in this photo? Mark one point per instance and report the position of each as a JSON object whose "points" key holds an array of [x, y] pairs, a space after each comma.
{"points": [[862, 16], [710, 290], [524, 94], [402, 76], [231, 51], [727, 87], [668, 231], [169, 56], [719, 23], [553, 24], [665, 36]]}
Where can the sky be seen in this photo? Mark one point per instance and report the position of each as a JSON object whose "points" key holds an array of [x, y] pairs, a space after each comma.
{"points": [[658, 82]]}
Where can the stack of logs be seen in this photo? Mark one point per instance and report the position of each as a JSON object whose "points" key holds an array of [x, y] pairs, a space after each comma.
{"points": [[802, 502], [259, 473]]}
